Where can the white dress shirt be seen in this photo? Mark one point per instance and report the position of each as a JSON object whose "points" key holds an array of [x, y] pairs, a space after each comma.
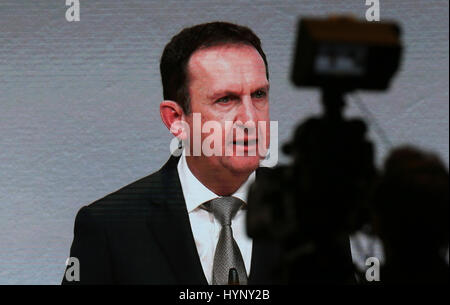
{"points": [[205, 228]]}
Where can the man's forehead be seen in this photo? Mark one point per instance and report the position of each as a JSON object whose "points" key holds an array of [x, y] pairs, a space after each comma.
{"points": [[221, 64]]}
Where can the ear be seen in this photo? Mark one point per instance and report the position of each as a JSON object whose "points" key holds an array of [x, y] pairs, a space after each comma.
{"points": [[172, 116]]}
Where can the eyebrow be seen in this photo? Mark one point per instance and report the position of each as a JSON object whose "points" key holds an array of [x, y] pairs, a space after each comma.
{"points": [[222, 93]]}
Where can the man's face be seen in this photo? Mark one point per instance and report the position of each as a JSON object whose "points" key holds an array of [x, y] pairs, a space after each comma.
{"points": [[228, 83]]}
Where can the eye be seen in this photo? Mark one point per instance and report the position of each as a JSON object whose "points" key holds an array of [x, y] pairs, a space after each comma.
{"points": [[259, 94], [225, 99]]}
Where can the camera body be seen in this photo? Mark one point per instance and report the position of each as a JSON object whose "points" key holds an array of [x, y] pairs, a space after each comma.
{"points": [[346, 54]]}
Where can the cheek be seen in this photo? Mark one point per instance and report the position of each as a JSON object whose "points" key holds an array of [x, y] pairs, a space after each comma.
{"points": [[264, 127], [220, 119]]}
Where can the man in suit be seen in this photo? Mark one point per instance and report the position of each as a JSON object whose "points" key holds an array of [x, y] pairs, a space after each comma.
{"points": [[171, 227]]}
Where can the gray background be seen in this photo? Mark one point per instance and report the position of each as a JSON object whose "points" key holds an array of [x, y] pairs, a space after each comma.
{"points": [[79, 102]]}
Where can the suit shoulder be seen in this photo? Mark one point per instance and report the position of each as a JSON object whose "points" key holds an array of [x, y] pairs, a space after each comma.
{"points": [[133, 198]]}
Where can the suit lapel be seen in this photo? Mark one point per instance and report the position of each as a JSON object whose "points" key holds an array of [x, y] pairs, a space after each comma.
{"points": [[169, 223]]}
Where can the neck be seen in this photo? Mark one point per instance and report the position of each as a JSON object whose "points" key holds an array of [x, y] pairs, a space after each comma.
{"points": [[221, 181]]}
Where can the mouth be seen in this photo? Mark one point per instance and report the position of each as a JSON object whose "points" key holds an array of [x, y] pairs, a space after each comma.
{"points": [[245, 145], [245, 142]]}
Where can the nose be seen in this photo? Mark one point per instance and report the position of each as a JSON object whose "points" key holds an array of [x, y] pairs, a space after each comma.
{"points": [[247, 113]]}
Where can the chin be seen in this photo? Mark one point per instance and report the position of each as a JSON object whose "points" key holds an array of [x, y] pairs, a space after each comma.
{"points": [[244, 164]]}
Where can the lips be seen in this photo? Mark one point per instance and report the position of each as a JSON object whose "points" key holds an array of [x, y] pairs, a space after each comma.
{"points": [[245, 142]]}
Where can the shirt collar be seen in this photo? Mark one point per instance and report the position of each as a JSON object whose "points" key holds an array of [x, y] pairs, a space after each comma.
{"points": [[195, 193]]}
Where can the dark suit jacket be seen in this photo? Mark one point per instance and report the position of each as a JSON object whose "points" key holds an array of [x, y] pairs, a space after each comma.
{"points": [[141, 234]]}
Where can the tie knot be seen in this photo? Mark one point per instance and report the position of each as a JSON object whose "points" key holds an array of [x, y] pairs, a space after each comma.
{"points": [[225, 208]]}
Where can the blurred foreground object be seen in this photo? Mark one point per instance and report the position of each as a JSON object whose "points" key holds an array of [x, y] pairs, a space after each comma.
{"points": [[411, 216], [313, 205], [345, 53]]}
